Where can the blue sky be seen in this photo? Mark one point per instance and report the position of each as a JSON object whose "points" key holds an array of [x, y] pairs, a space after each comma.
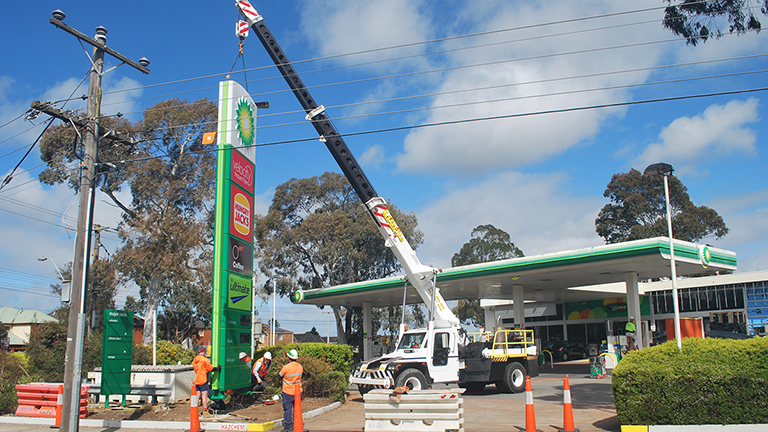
{"points": [[538, 177]]}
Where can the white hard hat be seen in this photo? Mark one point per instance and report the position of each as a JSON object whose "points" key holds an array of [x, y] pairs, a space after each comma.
{"points": [[293, 354], [242, 355], [268, 355], [632, 318]]}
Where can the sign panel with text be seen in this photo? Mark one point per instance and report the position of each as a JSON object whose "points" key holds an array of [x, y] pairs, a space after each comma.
{"points": [[233, 238]]}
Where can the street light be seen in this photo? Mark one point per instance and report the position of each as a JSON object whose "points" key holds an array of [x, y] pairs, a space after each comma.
{"points": [[41, 259], [65, 284], [664, 169]]}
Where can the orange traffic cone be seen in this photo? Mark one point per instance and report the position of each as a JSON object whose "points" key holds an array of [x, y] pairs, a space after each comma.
{"points": [[194, 420], [298, 418], [567, 408], [530, 416], [59, 407]]}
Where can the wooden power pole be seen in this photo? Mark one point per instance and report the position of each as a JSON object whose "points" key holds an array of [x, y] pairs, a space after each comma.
{"points": [[76, 327]]}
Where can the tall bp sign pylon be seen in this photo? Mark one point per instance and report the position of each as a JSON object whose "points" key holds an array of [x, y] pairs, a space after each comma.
{"points": [[233, 241]]}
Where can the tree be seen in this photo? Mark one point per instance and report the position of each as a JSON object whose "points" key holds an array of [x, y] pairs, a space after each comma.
{"points": [[314, 331], [317, 234], [46, 350], [638, 211], [487, 243], [167, 229], [698, 20], [167, 226]]}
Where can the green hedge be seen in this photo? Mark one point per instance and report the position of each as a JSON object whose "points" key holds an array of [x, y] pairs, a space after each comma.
{"points": [[326, 368], [339, 356], [712, 381]]}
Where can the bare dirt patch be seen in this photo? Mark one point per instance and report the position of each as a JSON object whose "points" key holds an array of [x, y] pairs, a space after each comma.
{"points": [[250, 411]]}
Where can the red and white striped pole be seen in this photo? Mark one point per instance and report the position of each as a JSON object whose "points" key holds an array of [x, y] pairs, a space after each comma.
{"points": [[567, 408], [530, 415]]}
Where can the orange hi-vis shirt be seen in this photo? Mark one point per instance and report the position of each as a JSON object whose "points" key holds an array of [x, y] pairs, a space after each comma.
{"points": [[291, 375], [202, 366], [262, 367]]}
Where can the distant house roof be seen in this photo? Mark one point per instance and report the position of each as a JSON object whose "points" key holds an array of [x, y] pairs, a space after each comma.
{"points": [[10, 315], [266, 329], [308, 337], [7, 314], [33, 316]]}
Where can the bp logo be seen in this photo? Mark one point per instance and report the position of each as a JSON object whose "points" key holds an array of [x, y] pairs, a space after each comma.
{"points": [[245, 123], [705, 256]]}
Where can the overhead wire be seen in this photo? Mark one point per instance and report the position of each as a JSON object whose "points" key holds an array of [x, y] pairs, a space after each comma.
{"points": [[497, 62], [444, 51], [489, 118], [412, 44], [518, 84], [479, 119]]}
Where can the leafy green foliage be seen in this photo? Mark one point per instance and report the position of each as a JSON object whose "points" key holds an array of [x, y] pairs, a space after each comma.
{"points": [[11, 370], [167, 227], [326, 368], [697, 20], [142, 355], [487, 243], [333, 384], [92, 351], [317, 234], [166, 230], [638, 211], [169, 353], [339, 356], [46, 350], [711, 381]]}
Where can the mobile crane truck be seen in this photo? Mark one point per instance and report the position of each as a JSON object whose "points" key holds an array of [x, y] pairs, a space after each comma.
{"points": [[442, 352]]}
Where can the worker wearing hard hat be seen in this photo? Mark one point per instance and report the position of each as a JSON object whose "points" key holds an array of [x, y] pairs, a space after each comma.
{"points": [[245, 358], [260, 370], [291, 375]]}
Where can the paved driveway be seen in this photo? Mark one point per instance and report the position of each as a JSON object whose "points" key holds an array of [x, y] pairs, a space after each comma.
{"points": [[593, 406]]}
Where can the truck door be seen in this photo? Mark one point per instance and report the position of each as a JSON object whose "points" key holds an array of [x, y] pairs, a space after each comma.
{"points": [[444, 365]]}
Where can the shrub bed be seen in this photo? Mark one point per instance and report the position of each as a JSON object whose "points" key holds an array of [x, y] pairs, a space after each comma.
{"points": [[712, 381], [326, 368]]}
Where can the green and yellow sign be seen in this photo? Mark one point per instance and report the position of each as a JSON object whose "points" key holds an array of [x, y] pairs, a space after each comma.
{"points": [[233, 241]]}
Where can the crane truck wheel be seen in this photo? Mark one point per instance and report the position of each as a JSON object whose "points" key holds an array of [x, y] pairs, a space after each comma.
{"points": [[413, 378], [514, 379], [363, 389]]}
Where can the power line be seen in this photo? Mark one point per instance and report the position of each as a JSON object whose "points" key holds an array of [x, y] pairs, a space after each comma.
{"points": [[541, 81], [412, 44], [487, 118], [29, 292]]}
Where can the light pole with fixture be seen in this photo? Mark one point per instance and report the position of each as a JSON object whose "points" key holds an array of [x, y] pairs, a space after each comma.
{"points": [[665, 170], [65, 284]]}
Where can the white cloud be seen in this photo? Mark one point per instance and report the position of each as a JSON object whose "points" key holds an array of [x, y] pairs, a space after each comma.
{"points": [[373, 157], [728, 46], [719, 130], [350, 26], [537, 65], [538, 211], [121, 96], [747, 217]]}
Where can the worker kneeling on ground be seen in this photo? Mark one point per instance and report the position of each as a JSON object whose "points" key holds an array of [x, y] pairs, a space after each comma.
{"points": [[259, 372]]}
